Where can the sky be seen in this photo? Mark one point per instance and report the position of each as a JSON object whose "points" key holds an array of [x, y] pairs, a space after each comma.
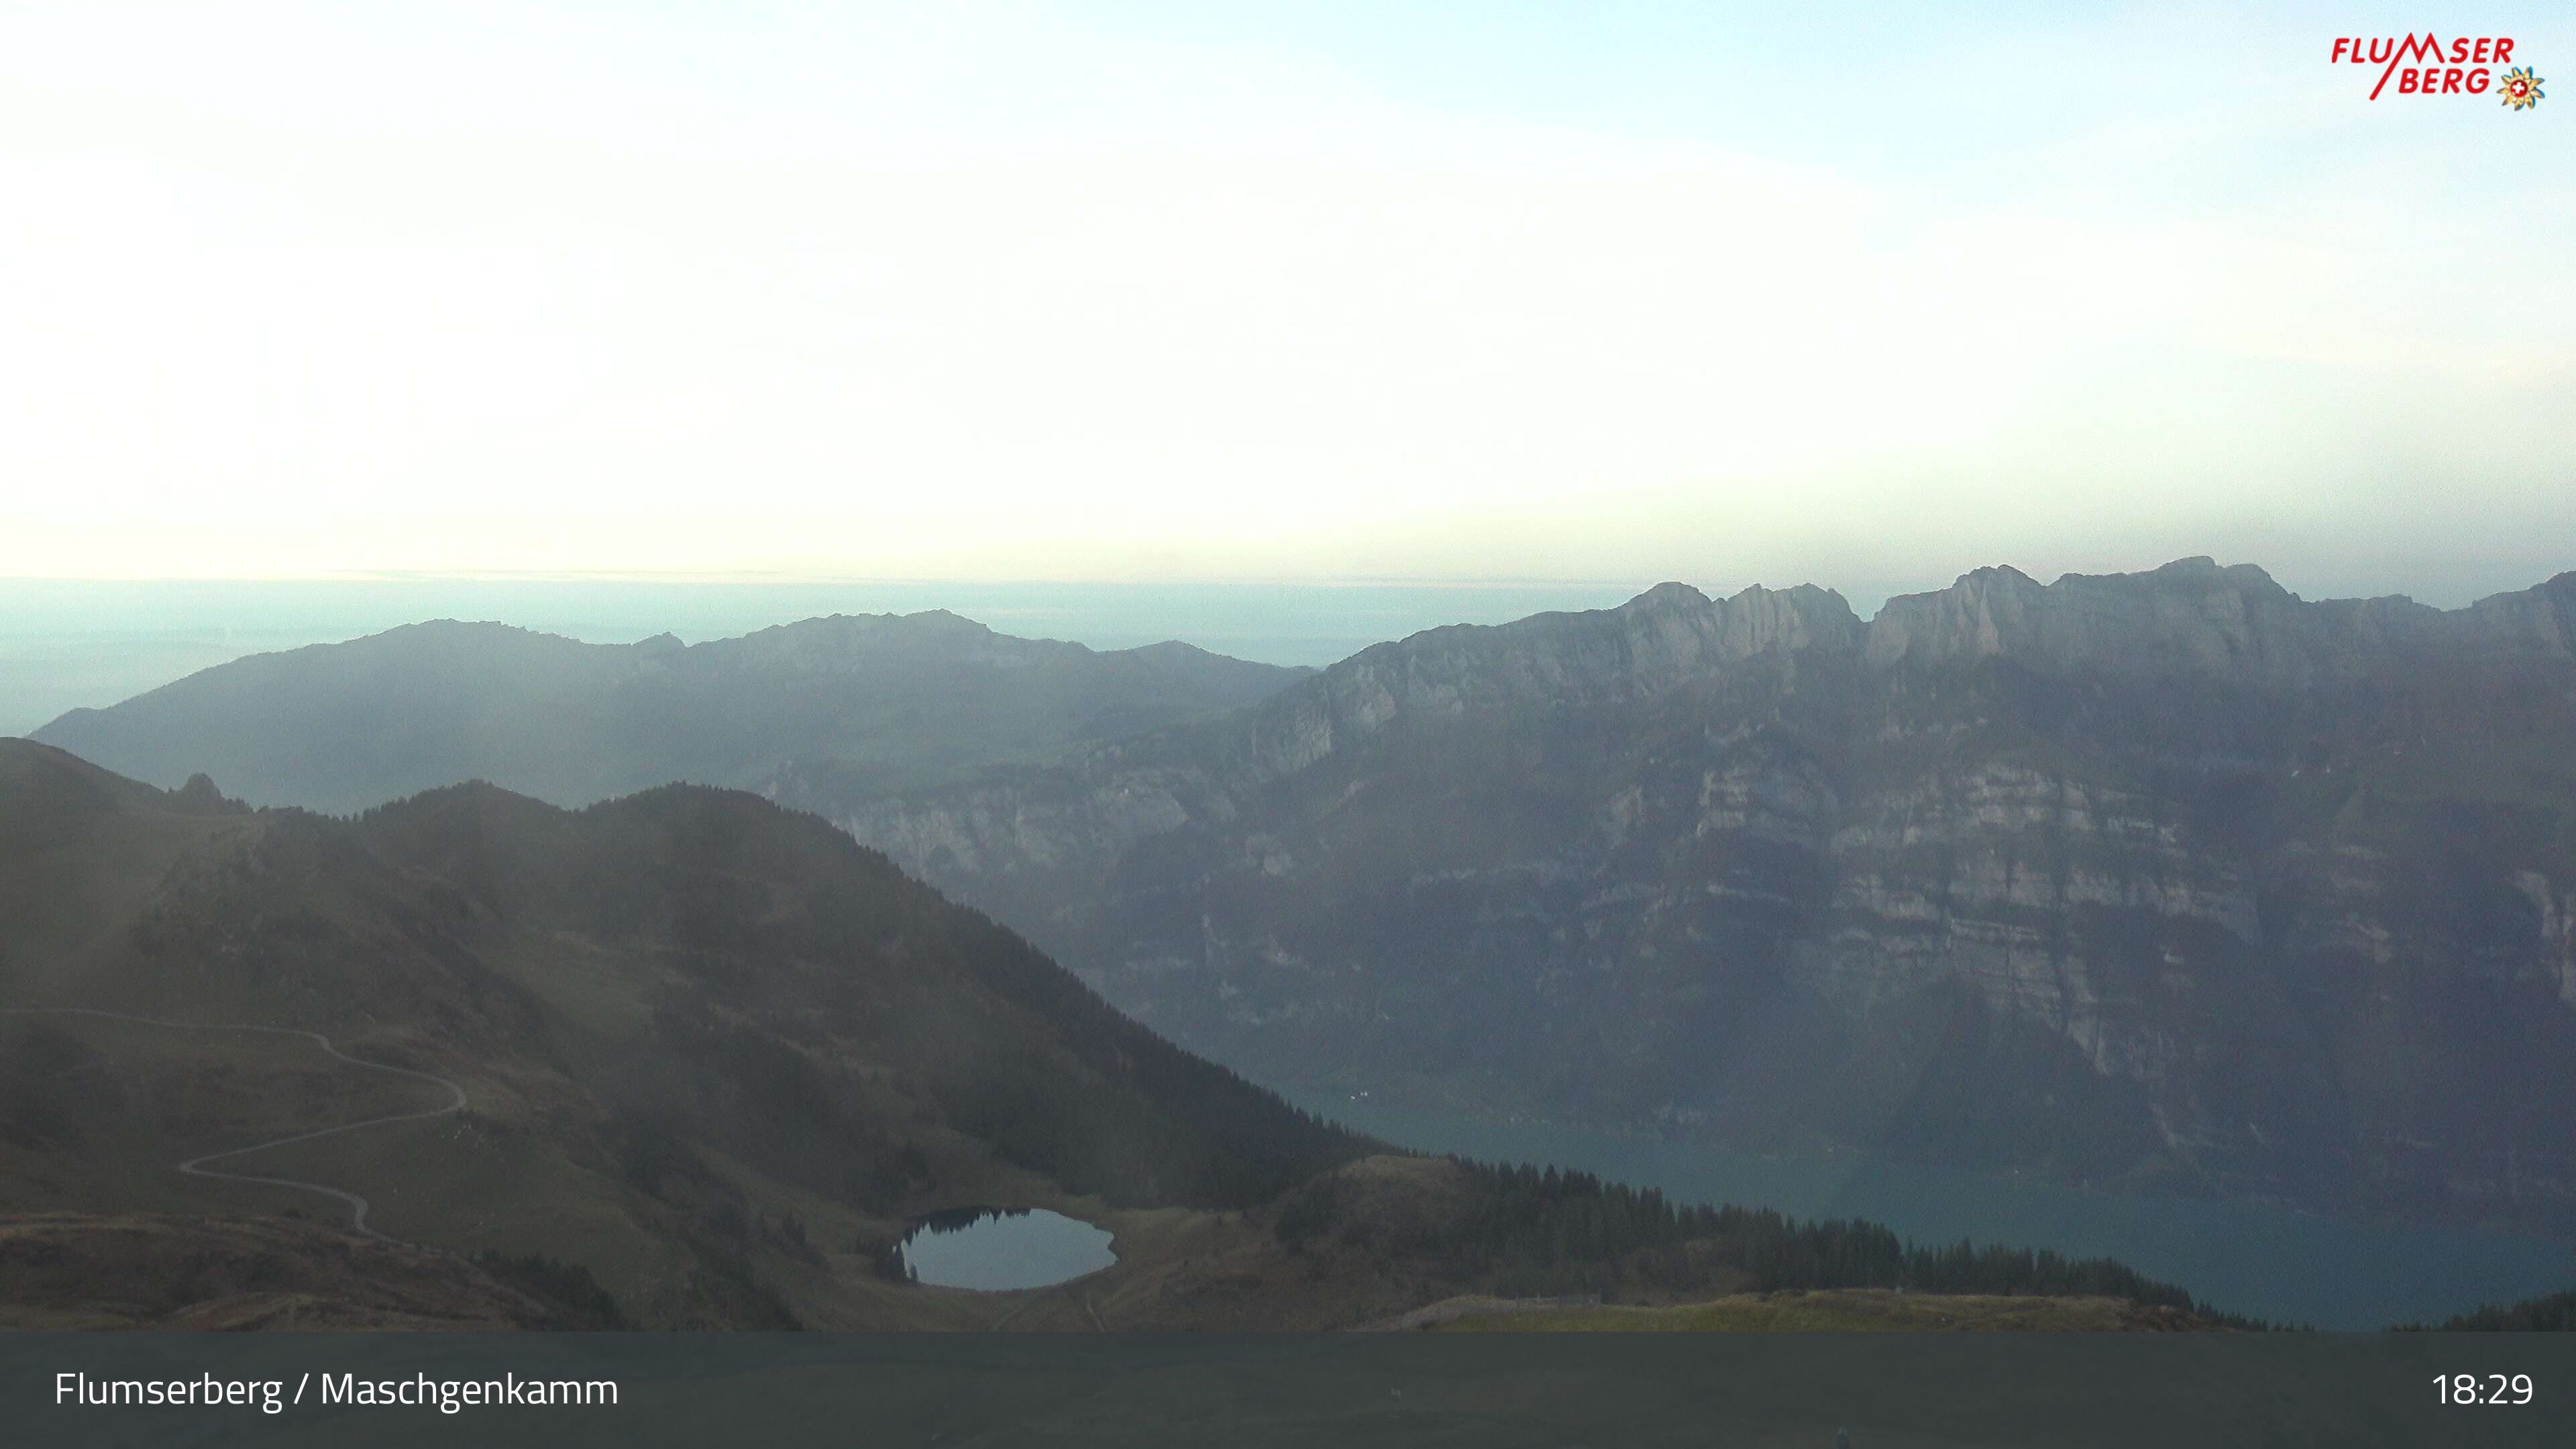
{"points": [[1866, 296]]}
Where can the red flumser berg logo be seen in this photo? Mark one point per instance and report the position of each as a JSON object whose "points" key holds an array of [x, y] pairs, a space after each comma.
{"points": [[2423, 65]]}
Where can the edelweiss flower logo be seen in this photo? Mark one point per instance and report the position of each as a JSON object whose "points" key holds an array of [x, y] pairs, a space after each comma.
{"points": [[2520, 88]]}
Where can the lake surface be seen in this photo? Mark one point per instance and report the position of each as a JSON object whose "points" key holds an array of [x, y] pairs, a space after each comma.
{"points": [[1003, 1249], [72, 643], [2270, 1262]]}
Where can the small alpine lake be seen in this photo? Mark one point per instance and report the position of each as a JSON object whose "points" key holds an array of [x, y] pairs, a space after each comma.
{"points": [[1001, 1249]]}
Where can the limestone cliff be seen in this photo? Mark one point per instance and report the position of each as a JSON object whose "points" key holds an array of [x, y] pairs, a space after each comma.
{"points": [[2168, 878]]}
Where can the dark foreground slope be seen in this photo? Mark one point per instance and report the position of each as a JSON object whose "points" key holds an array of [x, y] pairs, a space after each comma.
{"points": [[706, 1044], [845, 701], [217, 1275], [2158, 880]]}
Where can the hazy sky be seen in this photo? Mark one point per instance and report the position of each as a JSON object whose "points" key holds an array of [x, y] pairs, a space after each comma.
{"points": [[1867, 295]]}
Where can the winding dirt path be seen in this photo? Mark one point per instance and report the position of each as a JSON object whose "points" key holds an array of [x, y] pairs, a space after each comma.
{"points": [[195, 1166]]}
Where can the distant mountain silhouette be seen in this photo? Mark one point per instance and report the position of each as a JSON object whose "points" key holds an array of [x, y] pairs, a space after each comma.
{"points": [[862, 701]]}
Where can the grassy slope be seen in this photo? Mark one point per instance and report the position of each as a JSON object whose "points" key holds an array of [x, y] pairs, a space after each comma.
{"points": [[194, 1274], [546, 1012]]}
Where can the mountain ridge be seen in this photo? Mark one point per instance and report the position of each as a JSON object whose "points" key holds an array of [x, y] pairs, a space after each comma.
{"points": [[684, 1024], [1672, 633], [883, 698], [2221, 881]]}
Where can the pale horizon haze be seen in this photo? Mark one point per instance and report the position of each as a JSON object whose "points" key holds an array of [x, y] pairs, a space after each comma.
{"points": [[1159, 293]]}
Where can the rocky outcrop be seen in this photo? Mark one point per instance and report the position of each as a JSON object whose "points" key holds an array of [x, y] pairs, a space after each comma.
{"points": [[2187, 616], [2168, 878]]}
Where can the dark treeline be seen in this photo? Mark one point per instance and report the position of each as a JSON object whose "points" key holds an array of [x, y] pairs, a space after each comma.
{"points": [[568, 1287], [1534, 1232], [2553, 1314], [958, 1220]]}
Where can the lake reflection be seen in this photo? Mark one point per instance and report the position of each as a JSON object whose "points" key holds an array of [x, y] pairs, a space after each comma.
{"points": [[1003, 1248]]}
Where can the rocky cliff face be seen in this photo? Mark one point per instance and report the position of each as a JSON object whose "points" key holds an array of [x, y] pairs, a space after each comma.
{"points": [[2167, 878]]}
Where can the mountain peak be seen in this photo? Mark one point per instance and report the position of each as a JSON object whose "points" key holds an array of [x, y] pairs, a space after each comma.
{"points": [[1990, 574], [1669, 595], [2193, 613], [2202, 571], [200, 797], [945, 623]]}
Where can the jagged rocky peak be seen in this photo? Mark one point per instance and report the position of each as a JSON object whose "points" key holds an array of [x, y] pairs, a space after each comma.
{"points": [[2541, 619], [200, 797], [2202, 571], [1665, 637], [1751, 620], [1981, 614], [2192, 614], [1668, 597], [2199, 580], [2196, 616], [1759, 619], [1674, 632]]}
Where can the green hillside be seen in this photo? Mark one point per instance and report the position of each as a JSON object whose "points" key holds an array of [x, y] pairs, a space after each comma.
{"points": [[708, 1047]]}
